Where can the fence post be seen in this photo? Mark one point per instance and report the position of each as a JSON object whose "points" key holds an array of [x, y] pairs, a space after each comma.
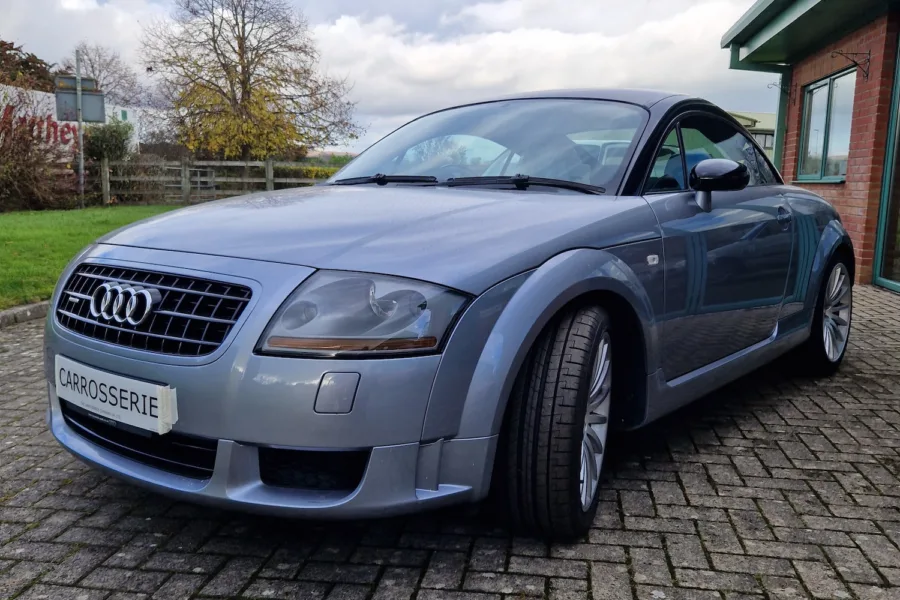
{"points": [[270, 175], [185, 182], [104, 179]]}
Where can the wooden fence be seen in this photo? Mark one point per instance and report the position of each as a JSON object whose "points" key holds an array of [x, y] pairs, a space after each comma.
{"points": [[188, 182]]}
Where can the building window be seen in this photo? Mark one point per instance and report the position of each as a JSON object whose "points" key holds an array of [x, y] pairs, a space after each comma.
{"points": [[766, 140], [825, 137]]}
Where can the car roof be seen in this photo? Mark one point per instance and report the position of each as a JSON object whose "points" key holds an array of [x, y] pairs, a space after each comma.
{"points": [[645, 98]]}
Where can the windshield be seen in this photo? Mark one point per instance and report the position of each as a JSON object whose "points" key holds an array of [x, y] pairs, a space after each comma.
{"points": [[585, 141]]}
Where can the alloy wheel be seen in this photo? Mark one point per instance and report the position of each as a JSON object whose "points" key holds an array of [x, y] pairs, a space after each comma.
{"points": [[836, 312], [596, 422]]}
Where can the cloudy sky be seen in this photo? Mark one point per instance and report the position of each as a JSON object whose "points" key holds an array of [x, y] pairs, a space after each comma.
{"points": [[405, 57]]}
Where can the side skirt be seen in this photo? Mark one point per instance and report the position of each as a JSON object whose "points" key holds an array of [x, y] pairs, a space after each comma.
{"points": [[664, 397]]}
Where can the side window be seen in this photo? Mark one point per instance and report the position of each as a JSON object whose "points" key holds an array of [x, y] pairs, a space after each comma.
{"points": [[667, 174], [708, 137], [766, 174]]}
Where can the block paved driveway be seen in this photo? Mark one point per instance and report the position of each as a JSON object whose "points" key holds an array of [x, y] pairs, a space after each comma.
{"points": [[775, 487]]}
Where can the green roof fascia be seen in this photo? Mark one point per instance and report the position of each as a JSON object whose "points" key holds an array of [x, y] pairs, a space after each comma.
{"points": [[739, 65], [784, 31], [777, 26], [756, 16]]}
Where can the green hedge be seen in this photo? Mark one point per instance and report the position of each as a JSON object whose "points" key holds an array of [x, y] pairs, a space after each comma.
{"points": [[306, 171]]}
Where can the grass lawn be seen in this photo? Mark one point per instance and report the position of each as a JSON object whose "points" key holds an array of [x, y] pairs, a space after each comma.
{"points": [[36, 246]]}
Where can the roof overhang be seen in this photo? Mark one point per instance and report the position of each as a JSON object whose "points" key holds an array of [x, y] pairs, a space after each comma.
{"points": [[774, 34], [744, 119]]}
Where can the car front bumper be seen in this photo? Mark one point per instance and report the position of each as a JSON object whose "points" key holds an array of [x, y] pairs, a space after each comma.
{"points": [[242, 403], [398, 479]]}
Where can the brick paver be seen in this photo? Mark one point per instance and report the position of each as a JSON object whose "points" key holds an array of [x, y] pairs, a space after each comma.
{"points": [[775, 487]]}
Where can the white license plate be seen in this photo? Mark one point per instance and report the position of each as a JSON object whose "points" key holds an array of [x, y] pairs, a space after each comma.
{"points": [[122, 399]]}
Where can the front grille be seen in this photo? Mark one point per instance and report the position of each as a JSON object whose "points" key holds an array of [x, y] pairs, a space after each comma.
{"points": [[338, 470], [173, 452], [193, 317]]}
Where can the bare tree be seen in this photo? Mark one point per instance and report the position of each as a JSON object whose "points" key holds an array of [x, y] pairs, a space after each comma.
{"points": [[242, 78], [115, 77]]}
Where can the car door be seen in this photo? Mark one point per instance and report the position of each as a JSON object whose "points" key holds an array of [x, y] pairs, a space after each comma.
{"points": [[725, 269]]}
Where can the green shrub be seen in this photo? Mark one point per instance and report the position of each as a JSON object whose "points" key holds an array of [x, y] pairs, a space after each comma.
{"points": [[111, 140], [306, 172], [339, 160]]}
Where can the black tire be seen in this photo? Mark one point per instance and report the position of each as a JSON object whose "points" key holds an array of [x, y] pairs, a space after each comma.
{"points": [[540, 466], [811, 358]]}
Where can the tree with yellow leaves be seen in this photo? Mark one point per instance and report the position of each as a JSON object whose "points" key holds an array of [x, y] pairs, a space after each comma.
{"points": [[240, 79]]}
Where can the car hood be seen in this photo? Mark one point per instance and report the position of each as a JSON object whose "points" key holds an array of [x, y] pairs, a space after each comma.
{"points": [[466, 238]]}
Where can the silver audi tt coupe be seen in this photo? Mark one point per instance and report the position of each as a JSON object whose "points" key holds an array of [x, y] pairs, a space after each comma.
{"points": [[464, 310]]}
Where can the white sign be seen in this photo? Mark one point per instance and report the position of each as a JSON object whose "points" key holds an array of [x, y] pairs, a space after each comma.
{"points": [[39, 110], [121, 399]]}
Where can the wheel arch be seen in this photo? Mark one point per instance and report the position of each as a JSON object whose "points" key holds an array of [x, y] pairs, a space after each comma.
{"points": [[573, 277], [844, 249], [630, 358], [834, 241]]}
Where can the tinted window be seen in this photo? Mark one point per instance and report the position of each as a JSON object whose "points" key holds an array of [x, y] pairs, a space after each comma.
{"points": [[766, 174], [667, 174], [588, 141], [708, 137], [827, 117]]}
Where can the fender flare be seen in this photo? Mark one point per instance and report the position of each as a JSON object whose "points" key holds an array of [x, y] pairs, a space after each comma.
{"points": [[833, 237], [551, 286]]}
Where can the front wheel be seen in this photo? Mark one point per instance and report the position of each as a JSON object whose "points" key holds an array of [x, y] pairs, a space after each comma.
{"points": [[556, 429], [824, 351]]}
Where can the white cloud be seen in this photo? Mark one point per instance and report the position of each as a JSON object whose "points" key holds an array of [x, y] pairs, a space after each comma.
{"points": [[52, 28], [404, 65], [78, 4], [523, 45], [599, 16]]}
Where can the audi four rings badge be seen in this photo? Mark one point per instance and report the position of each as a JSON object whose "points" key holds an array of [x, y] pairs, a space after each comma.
{"points": [[132, 305]]}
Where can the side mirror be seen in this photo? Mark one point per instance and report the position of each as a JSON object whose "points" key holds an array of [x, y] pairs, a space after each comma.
{"points": [[717, 175]]}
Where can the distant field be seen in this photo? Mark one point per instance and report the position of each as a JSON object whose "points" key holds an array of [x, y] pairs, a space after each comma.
{"points": [[35, 246]]}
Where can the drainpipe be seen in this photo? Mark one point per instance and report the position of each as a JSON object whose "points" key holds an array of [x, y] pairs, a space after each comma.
{"points": [[784, 98]]}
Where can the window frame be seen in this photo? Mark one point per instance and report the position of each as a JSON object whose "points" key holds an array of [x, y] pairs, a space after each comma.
{"points": [[804, 125], [675, 123]]}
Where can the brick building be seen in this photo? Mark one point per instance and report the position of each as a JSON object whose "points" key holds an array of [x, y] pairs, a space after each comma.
{"points": [[837, 128]]}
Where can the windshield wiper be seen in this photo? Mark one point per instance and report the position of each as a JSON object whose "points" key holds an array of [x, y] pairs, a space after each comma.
{"points": [[382, 179], [523, 181]]}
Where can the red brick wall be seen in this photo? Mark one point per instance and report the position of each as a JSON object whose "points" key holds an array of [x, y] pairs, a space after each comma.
{"points": [[857, 199]]}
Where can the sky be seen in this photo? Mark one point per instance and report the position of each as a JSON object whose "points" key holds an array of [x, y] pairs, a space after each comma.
{"points": [[407, 57]]}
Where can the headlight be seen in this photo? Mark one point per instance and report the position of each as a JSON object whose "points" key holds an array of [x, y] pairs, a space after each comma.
{"points": [[339, 313]]}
